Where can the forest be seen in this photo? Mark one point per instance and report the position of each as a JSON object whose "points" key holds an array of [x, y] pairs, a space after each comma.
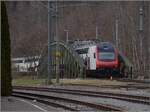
{"points": [[129, 21]]}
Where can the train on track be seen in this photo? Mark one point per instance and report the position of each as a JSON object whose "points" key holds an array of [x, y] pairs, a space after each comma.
{"points": [[25, 64], [102, 59]]}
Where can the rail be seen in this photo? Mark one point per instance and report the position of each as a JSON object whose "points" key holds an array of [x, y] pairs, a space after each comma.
{"points": [[119, 96], [78, 102]]}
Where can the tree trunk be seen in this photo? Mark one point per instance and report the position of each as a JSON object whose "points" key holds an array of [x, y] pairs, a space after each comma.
{"points": [[5, 56]]}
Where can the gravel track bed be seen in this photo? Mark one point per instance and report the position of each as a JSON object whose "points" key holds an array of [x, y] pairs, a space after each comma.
{"points": [[118, 103], [67, 104], [122, 90]]}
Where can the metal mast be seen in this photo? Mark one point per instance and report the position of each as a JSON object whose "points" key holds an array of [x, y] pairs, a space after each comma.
{"points": [[49, 41], [117, 41], [96, 32]]}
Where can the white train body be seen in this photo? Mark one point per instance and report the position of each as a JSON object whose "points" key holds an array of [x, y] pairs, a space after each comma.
{"points": [[23, 64], [88, 53]]}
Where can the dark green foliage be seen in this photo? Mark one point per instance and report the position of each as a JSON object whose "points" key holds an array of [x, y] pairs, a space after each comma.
{"points": [[5, 54]]}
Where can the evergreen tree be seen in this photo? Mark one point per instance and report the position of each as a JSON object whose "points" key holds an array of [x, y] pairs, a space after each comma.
{"points": [[5, 53]]}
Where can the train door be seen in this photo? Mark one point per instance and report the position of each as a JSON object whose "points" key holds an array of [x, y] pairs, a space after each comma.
{"points": [[92, 56]]}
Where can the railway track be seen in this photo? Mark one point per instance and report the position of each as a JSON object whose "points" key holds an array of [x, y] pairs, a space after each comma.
{"points": [[129, 86], [125, 97], [132, 86], [134, 80], [45, 99]]}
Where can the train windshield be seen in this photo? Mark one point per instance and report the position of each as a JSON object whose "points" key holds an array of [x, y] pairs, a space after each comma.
{"points": [[82, 51], [106, 56]]}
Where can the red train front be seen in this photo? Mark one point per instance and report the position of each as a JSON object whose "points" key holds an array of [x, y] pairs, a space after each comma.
{"points": [[107, 56]]}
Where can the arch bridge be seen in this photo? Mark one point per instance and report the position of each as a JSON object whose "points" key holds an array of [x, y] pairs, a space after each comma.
{"points": [[64, 62]]}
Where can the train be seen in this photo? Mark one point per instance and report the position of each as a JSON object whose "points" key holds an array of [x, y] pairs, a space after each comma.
{"points": [[25, 64], [102, 59]]}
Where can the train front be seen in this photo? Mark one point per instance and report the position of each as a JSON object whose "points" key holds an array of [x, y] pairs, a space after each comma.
{"points": [[107, 59]]}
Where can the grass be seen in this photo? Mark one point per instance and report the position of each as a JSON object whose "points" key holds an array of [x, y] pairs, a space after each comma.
{"points": [[94, 82], [29, 81]]}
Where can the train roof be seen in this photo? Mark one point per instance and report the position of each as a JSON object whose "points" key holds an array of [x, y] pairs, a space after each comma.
{"points": [[84, 47], [105, 44], [100, 45], [23, 58], [83, 44]]}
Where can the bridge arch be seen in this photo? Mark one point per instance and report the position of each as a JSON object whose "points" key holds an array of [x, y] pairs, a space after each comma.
{"points": [[64, 61]]}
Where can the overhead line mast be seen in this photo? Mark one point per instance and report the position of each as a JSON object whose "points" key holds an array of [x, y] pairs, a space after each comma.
{"points": [[49, 41]]}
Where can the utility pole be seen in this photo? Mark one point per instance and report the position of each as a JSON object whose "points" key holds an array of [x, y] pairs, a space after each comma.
{"points": [[49, 42], [141, 35], [96, 32], [116, 27], [57, 47], [67, 39]]}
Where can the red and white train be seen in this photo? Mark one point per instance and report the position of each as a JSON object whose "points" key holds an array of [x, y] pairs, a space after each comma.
{"points": [[100, 58]]}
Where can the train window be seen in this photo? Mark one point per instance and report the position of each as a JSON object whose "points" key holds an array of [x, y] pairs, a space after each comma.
{"points": [[82, 51], [94, 55], [31, 60], [17, 61], [106, 56]]}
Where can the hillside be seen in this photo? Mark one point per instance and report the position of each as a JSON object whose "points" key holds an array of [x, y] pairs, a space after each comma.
{"points": [[28, 25]]}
